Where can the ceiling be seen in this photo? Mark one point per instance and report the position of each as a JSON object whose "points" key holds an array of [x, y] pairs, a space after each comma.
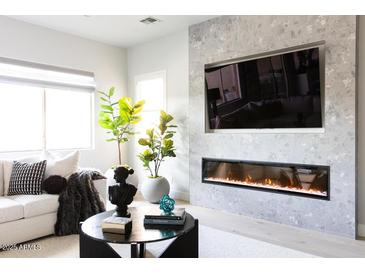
{"points": [[116, 30]]}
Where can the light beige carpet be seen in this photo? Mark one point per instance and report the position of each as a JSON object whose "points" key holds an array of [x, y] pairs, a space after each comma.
{"points": [[48, 247], [213, 243]]}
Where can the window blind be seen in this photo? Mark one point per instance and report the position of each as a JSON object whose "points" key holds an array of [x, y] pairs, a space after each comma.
{"points": [[23, 72]]}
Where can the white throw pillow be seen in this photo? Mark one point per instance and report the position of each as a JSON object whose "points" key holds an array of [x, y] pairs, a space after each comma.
{"points": [[7, 168], [64, 166], [30, 159]]}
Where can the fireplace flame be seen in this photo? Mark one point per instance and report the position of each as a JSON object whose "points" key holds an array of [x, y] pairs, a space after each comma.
{"points": [[267, 183], [248, 179]]}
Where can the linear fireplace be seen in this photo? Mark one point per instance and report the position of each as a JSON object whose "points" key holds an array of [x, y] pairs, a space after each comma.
{"points": [[296, 179]]}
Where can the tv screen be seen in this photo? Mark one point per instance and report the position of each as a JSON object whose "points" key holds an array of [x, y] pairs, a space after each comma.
{"points": [[278, 91]]}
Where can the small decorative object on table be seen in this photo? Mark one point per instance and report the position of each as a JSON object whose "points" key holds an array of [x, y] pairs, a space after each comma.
{"points": [[118, 225], [168, 216], [122, 194], [167, 204]]}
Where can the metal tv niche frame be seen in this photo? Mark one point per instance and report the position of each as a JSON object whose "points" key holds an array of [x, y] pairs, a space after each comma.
{"points": [[318, 44], [204, 174]]}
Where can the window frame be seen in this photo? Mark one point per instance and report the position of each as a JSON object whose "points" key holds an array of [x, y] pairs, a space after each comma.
{"points": [[44, 115], [45, 76]]}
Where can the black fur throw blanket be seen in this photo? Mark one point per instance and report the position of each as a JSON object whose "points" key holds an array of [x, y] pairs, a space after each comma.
{"points": [[78, 201]]}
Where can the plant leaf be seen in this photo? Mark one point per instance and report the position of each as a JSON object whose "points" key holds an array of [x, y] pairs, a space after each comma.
{"points": [[106, 107], [165, 117], [168, 136], [103, 93], [111, 91], [149, 132], [143, 142], [136, 119], [125, 105], [139, 104]]}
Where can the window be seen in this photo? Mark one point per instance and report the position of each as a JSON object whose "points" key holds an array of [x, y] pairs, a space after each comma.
{"points": [[43, 107], [68, 119], [151, 87], [20, 118]]}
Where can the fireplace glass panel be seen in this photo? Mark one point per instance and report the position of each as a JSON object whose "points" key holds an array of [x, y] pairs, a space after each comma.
{"points": [[307, 180]]}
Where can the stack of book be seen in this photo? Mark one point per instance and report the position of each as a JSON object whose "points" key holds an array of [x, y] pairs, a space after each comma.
{"points": [[118, 225], [158, 217]]}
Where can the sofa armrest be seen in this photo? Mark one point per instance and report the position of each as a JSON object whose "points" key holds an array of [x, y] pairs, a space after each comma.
{"points": [[101, 187]]}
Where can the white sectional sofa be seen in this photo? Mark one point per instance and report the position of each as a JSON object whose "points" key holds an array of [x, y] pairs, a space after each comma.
{"points": [[27, 217]]}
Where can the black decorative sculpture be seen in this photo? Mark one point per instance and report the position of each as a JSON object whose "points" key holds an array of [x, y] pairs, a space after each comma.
{"points": [[122, 194]]}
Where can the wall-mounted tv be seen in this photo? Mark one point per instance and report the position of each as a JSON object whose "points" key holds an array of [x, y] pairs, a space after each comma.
{"points": [[279, 90]]}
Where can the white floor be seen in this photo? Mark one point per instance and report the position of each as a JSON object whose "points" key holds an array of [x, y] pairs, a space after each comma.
{"points": [[307, 241], [216, 243], [213, 243]]}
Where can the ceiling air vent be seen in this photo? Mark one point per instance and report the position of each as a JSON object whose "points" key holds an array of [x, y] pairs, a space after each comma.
{"points": [[150, 20]]}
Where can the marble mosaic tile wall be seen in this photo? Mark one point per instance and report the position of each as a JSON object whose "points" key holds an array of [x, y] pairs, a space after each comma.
{"points": [[229, 37]]}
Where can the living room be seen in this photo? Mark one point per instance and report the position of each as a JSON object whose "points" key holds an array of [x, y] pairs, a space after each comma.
{"points": [[182, 136]]}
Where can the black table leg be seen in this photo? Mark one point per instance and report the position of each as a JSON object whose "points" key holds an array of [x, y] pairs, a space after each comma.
{"points": [[134, 250], [142, 250], [138, 250]]}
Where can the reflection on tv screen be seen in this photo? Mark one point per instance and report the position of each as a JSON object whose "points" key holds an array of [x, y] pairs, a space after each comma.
{"points": [[280, 91]]}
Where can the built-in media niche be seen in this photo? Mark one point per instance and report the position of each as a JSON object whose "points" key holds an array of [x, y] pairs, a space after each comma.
{"points": [[281, 89]]}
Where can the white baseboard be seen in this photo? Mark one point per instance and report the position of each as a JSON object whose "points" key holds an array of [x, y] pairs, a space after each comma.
{"points": [[361, 230], [180, 195]]}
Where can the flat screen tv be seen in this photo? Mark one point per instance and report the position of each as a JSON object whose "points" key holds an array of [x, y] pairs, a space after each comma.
{"points": [[281, 90]]}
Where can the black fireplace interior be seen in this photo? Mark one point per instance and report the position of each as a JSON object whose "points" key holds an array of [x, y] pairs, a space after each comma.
{"points": [[296, 179]]}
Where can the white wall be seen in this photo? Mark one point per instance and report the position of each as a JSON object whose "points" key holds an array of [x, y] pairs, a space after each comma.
{"points": [[28, 42], [361, 126], [171, 54]]}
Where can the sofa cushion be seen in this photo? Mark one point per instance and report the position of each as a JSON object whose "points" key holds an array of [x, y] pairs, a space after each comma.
{"points": [[35, 205], [10, 210]]}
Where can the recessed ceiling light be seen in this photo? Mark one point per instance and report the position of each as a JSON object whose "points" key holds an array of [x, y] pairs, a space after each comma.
{"points": [[150, 20], [87, 16]]}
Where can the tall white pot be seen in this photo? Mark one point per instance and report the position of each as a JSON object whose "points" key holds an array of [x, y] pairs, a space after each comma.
{"points": [[153, 189], [110, 181]]}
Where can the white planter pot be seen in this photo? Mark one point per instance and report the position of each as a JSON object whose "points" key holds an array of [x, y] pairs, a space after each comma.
{"points": [[109, 174], [153, 189]]}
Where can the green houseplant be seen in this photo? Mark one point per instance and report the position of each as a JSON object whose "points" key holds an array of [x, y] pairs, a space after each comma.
{"points": [[159, 145], [119, 118]]}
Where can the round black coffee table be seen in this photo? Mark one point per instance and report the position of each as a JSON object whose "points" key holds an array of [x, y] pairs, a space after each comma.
{"points": [[93, 242]]}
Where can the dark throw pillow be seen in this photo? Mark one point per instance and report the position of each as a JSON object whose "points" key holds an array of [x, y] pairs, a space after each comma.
{"points": [[54, 184], [27, 178]]}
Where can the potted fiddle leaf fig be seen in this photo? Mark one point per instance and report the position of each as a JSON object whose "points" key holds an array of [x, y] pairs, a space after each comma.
{"points": [[159, 145], [119, 118]]}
